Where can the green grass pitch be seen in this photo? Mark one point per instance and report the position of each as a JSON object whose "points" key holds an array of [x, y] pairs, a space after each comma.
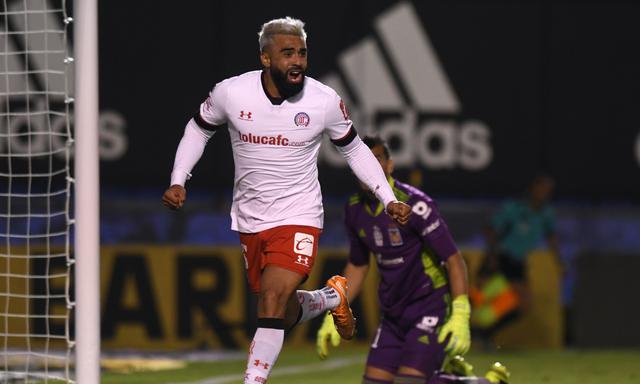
{"points": [[345, 365]]}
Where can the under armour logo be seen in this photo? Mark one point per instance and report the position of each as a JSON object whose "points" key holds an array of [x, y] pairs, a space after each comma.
{"points": [[245, 115], [302, 260], [257, 363]]}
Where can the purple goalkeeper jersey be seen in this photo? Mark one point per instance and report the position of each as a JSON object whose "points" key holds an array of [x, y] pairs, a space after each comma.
{"points": [[410, 257]]}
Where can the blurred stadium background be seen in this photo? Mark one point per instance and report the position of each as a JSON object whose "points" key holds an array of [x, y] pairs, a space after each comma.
{"points": [[475, 97]]}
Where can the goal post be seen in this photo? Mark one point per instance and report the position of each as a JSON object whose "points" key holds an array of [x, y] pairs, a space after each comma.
{"points": [[87, 212], [49, 215]]}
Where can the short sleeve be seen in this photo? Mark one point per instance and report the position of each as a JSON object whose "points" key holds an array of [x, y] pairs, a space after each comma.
{"points": [[426, 220], [358, 252], [337, 121], [212, 111]]}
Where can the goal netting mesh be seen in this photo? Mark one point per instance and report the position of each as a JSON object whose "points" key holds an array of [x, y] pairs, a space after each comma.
{"points": [[35, 191]]}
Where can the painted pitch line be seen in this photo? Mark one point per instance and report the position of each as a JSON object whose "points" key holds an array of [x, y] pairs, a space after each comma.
{"points": [[285, 371]]}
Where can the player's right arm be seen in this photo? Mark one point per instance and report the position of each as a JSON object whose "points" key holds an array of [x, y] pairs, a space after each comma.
{"points": [[355, 272], [358, 264], [327, 334], [209, 118], [355, 275]]}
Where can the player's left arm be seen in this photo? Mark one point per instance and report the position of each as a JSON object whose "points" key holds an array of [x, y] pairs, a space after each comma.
{"points": [[427, 220], [457, 272], [360, 159], [457, 326]]}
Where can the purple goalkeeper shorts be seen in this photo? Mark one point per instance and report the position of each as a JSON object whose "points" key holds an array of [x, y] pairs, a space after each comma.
{"points": [[411, 340]]}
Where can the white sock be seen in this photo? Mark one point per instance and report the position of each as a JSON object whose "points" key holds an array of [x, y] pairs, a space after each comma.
{"points": [[263, 353], [314, 303]]}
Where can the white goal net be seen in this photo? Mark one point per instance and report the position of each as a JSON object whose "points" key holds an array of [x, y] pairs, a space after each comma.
{"points": [[35, 192]]}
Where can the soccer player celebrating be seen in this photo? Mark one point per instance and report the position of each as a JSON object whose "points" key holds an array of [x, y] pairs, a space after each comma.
{"points": [[425, 308], [276, 118]]}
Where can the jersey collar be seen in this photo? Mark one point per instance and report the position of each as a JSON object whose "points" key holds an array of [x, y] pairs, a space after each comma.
{"points": [[273, 100]]}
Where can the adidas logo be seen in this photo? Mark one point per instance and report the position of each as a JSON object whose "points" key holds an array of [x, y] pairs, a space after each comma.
{"points": [[34, 82], [402, 93]]}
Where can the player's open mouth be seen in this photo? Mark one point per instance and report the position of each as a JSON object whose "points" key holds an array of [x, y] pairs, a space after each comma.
{"points": [[294, 76]]}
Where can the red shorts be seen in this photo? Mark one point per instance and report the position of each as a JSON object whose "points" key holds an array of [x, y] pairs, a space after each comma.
{"points": [[292, 247]]}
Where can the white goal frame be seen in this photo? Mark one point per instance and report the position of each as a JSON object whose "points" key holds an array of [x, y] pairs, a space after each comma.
{"points": [[37, 70], [87, 211]]}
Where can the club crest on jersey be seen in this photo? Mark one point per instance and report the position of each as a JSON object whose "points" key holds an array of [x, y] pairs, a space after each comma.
{"points": [[395, 237], [301, 119], [377, 236], [245, 115]]}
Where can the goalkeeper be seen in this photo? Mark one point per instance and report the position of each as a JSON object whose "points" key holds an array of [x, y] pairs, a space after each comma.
{"points": [[422, 291]]}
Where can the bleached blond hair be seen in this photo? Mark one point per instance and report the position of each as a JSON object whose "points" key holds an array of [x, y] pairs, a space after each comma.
{"points": [[285, 26]]}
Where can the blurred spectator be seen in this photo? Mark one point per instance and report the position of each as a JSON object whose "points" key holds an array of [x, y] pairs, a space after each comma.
{"points": [[502, 292]]}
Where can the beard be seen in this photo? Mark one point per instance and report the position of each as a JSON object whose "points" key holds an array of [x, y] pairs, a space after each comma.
{"points": [[286, 88]]}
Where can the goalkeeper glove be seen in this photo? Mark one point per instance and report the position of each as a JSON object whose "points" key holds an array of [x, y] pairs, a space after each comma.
{"points": [[457, 327], [326, 333]]}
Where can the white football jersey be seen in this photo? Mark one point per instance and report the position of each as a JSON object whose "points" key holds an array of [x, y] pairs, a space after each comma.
{"points": [[275, 149]]}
